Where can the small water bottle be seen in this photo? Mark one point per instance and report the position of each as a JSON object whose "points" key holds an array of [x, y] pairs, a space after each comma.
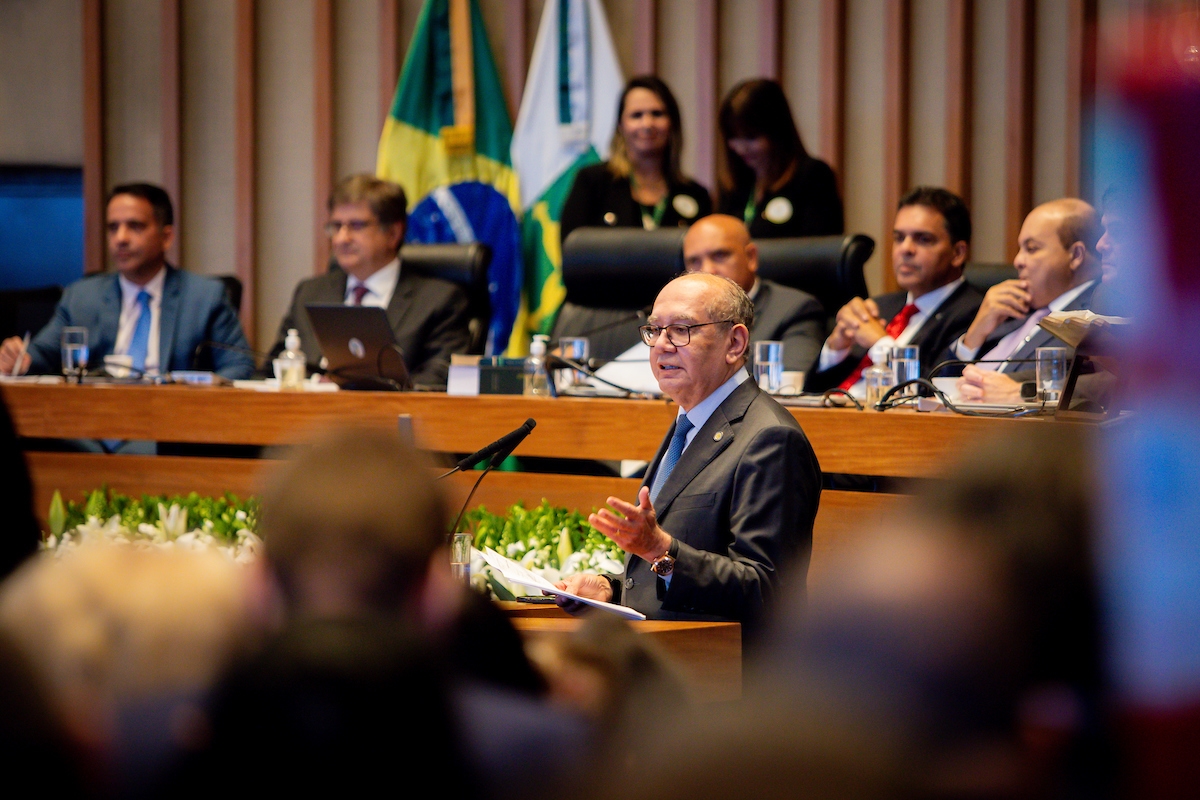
{"points": [[537, 382], [290, 366]]}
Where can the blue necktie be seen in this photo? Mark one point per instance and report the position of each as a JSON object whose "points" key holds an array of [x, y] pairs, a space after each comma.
{"points": [[674, 451], [140, 342]]}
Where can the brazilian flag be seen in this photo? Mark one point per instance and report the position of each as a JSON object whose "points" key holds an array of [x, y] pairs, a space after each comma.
{"points": [[447, 142]]}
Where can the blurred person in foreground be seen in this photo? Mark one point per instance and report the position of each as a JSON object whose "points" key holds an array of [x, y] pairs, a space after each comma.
{"points": [[383, 666], [1058, 269], [725, 515], [720, 245], [128, 644], [965, 635], [23, 534], [160, 316]]}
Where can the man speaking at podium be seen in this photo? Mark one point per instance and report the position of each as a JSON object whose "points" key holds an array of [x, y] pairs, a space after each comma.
{"points": [[726, 511]]}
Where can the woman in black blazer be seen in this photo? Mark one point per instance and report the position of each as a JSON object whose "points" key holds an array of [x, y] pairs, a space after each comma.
{"points": [[765, 176], [641, 184]]}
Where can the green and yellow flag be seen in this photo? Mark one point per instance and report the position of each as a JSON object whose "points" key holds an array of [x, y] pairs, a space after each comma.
{"points": [[447, 142]]}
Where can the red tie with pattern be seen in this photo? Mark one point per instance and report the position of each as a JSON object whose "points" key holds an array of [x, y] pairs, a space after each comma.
{"points": [[359, 292], [893, 329]]}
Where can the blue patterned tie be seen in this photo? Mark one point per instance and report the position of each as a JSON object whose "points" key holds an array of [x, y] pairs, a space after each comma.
{"points": [[140, 342], [674, 451]]}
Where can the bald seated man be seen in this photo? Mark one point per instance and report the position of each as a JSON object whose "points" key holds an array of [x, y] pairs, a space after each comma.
{"points": [[720, 245], [1058, 269], [725, 516]]}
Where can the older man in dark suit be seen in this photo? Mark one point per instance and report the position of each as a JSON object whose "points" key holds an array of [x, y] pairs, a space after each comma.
{"points": [[726, 511], [720, 245], [1058, 269], [367, 219], [930, 239]]}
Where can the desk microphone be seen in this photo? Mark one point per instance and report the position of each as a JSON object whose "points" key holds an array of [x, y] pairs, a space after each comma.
{"points": [[497, 451]]}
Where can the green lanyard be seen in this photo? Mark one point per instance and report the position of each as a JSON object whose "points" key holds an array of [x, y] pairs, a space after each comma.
{"points": [[653, 217], [751, 210]]}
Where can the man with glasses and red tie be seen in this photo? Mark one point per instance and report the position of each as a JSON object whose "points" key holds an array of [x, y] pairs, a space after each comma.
{"points": [[367, 220], [930, 240], [725, 515]]}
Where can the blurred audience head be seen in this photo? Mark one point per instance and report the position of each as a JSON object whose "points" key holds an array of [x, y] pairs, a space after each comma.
{"points": [[931, 238], [720, 245], [648, 125], [759, 136], [351, 524], [128, 641]]}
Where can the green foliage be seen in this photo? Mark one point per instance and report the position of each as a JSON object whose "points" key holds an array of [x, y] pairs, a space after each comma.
{"points": [[223, 517], [57, 517], [540, 528]]}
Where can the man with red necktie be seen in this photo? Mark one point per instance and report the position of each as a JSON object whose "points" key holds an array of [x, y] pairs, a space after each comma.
{"points": [[930, 240]]}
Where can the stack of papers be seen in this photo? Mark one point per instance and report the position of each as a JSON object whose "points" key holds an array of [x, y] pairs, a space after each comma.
{"points": [[1071, 326], [515, 573]]}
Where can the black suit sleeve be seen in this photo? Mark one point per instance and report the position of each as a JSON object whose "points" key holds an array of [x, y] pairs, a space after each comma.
{"points": [[778, 487], [447, 332], [582, 205]]}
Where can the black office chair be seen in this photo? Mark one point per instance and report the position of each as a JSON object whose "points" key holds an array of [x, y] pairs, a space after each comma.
{"points": [[464, 264], [612, 276], [828, 267], [24, 310], [984, 276], [233, 291]]}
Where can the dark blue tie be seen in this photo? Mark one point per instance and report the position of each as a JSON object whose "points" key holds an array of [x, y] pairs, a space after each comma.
{"points": [[140, 342], [674, 451]]}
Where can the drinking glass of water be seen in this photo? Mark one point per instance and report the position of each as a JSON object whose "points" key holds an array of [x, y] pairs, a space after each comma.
{"points": [[906, 365], [768, 365], [1051, 363], [460, 558], [74, 352]]}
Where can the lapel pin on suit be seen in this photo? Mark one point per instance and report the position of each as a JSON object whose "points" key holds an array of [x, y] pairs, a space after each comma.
{"points": [[717, 436]]}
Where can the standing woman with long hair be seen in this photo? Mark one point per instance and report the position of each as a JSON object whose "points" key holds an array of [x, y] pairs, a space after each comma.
{"points": [[641, 185], [765, 176]]}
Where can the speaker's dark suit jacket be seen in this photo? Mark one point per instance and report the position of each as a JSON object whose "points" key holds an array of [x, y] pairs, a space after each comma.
{"points": [[1021, 370], [793, 317], [428, 316], [740, 505], [193, 311], [948, 321]]}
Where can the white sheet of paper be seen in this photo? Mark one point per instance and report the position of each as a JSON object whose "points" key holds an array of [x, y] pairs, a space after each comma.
{"points": [[515, 573], [631, 369]]}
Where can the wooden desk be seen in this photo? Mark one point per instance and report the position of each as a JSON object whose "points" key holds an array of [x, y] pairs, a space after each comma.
{"points": [[708, 655], [895, 444]]}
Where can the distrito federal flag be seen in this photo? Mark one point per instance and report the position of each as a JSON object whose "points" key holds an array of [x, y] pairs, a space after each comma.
{"points": [[566, 121], [447, 142]]}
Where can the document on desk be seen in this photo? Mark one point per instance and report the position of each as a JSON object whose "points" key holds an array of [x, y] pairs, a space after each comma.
{"points": [[515, 573], [631, 370]]}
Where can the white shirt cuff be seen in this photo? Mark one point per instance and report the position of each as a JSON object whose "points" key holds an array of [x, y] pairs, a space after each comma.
{"points": [[964, 353], [830, 357]]}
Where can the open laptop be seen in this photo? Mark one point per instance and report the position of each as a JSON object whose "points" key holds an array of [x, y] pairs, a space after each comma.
{"points": [[360, 348]]}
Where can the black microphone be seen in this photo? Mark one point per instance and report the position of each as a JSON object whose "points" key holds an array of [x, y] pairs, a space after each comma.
{"points": [[505, 444]]}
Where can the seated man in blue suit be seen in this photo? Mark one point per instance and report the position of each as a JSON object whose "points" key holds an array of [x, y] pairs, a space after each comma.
{"points": [[1058, 268], [152, 312]]}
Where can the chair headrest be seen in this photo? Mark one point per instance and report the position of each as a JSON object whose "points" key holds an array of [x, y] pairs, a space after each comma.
{"points": [[828, 267], [464, 264], [620, 268]]}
